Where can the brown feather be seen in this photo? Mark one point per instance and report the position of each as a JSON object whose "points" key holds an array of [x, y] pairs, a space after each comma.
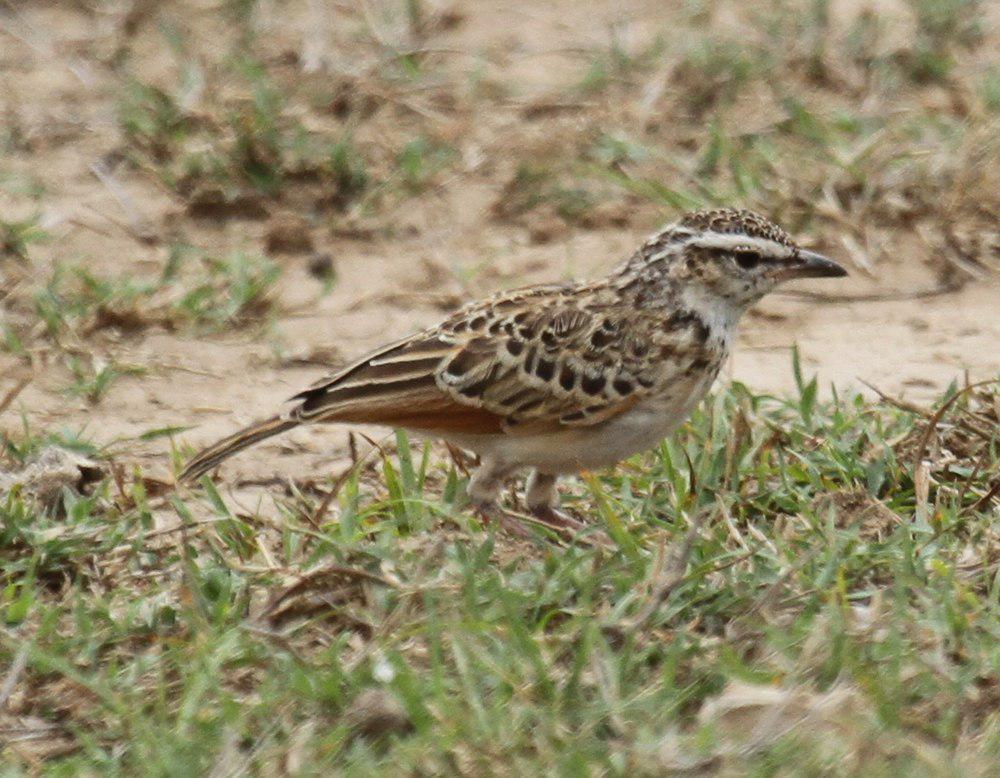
{"points": [[213, 455], [452, 417], [416, 404]]}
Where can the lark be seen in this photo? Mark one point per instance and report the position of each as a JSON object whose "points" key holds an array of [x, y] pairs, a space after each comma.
{"points": [[563, 378]]}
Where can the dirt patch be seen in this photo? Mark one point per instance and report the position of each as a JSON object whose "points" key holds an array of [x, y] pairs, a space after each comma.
{"points": [[423, 161]]}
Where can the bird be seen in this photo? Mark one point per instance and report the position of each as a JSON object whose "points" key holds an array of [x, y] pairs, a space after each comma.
{"points": [[562, 378]]}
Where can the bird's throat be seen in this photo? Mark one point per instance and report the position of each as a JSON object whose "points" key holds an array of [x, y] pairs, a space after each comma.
{"points": [[719, 316]]}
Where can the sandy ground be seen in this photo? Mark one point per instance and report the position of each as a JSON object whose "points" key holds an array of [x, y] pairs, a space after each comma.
{"points": [[446, 249]]}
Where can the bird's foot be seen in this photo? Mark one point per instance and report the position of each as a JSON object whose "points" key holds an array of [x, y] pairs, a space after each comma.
{"points": [[492, 513], [569, 527], [555, 518], [562, 524]]}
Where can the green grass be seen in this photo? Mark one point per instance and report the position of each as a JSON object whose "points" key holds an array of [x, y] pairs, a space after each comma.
{"points": [[17, 236], [242, 153], [388, 633], [775, 118], [92, 378], [194, 290]]}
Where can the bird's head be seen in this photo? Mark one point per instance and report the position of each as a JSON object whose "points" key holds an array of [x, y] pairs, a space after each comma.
{"points": [[727, 256]]}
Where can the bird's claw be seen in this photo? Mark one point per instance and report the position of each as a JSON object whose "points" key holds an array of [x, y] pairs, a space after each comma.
{"points": [[557, 519], [491, 513]]}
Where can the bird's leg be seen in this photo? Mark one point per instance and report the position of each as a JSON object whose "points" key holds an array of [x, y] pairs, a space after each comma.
{"points": [[484, 493], [541, 497]]}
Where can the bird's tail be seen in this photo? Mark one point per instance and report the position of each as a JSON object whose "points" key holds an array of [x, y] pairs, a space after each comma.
{"points": [[225, 448]]}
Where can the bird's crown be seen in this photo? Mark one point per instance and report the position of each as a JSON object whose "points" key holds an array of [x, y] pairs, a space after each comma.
{"points": [[731, 254], [719, 229], [733, 221]]}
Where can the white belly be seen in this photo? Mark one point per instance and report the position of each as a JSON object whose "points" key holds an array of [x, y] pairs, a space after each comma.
{"points": [[573, 449]]}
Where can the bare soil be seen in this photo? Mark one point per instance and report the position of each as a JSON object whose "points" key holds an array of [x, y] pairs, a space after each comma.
{"points": [[906, 320]]}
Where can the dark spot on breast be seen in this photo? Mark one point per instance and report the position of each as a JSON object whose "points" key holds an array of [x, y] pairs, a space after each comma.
{"points": [[592, 384], [515, 347], [639, 348], [642, 296], [567, 378], [689, 320], [680, 319], [704, 365], [566, 321], [528, 366], [545, 369], [622, 386], [600, 339]]}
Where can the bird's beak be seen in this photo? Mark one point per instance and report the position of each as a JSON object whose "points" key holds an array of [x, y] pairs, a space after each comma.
{"points": [[809, 264]]}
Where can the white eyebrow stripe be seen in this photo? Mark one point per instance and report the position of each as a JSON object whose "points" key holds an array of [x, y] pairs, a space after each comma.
{"points": [[669, 235], [727, 240]]}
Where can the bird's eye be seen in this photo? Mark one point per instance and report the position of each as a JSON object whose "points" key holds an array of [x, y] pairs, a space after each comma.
{"points": [[747, 259]]}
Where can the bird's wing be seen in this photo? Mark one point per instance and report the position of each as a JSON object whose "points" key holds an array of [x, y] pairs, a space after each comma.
{"points": [[395, 386], [525, 362], [519, 362]]}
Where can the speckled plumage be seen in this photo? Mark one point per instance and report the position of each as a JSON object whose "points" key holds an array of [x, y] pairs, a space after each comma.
{"points": [[564, 377], [736, 222]]}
